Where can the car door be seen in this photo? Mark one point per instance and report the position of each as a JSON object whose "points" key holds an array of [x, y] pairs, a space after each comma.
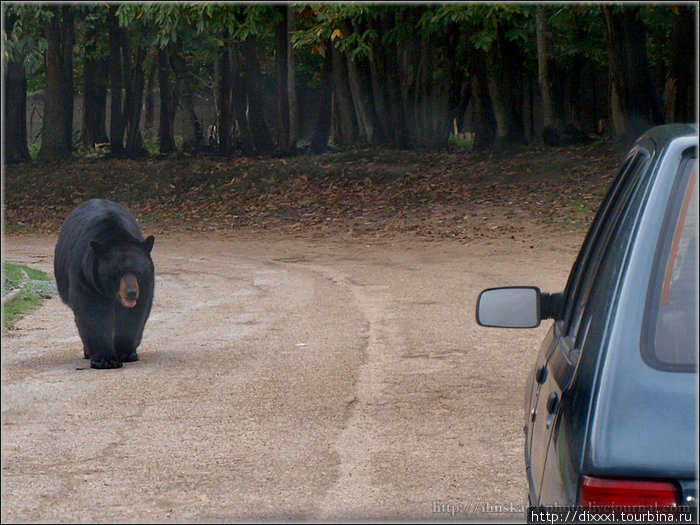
{"points": [[560, 353]]}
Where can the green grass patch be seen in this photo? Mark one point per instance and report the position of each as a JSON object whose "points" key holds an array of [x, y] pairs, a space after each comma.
{"points": [[463, 141], [34, 286]]}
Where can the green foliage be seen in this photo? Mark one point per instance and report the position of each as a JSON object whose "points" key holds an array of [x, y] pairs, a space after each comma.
{"points": [[659, 19], [34, 148], [458, 33], [257, 20], [464, 141], [24, 41], [326, 22], [578, 35], [92, 29]]}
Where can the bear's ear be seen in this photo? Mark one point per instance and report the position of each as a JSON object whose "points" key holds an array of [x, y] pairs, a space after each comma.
{"points": [[148, 243]]}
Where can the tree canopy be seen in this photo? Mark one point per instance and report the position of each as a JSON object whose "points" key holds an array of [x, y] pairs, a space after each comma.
{"points": [[389, 75]]}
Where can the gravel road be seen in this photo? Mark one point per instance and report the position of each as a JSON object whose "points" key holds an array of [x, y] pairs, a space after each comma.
{"points": [[281, 378]]}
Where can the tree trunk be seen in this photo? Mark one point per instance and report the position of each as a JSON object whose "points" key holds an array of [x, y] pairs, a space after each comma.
{"points": [[432, 104], [283, 129], [291, 80], [361, 89], [551, 125], [240, 103], [192, 134], [408, 56], [135, 80], [633, 101], [15, 106], [94, 96], [57, 128], [680, 102], [15, 115], [423, 85], [494, 82], [378, 70], [484, 125], [166, 135], [223, 98], [117, 124], [346, 130], [397, 116], [149, 101], [319, 139], [254, 83]]}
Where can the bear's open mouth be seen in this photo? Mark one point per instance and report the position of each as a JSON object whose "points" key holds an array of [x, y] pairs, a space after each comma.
{"points": [[128, 303], [128, 290]]}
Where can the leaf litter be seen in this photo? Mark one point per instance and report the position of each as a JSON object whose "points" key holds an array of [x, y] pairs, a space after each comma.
{"points": [[450, 194]]}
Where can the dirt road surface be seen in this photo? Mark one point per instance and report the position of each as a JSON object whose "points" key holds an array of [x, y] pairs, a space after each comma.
{"points": [[314, 379]]}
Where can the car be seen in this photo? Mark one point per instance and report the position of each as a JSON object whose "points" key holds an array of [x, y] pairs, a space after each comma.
{"points": [[611, 408]]}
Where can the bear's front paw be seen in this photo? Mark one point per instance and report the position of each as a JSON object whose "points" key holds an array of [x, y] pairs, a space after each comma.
{"points": [[108, 362]]}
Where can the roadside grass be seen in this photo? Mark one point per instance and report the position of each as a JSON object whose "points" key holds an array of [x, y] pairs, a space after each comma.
{"points": [[23, 289]]}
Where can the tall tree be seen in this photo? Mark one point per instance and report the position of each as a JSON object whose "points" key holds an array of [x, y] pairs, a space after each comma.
{"points": [[192, 133], [240, 101], [117, 120], [633, 103], [682, 74], [401, 75], [256, 102], [282, 81], [134, 75], [223, 95], [291, 79], [346, 130], [168, 103], [552, 128], [322, 130], [360, 83], [57, 127], [95, 78], [134, 47], [386, 80], [15, 95]]}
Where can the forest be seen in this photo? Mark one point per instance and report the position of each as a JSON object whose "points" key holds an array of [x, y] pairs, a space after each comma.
{"points": [[388, 75]]}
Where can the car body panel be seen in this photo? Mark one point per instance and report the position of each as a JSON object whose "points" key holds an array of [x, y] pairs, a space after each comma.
{"points": [[669, 417], [537, 414], [592, 403]]}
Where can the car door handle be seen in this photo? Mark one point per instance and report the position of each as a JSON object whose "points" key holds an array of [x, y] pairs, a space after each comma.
{"points": [[541, 374], [552, 402]]}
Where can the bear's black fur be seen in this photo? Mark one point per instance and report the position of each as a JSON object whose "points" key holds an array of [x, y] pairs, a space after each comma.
{"points": [[104, 272]]}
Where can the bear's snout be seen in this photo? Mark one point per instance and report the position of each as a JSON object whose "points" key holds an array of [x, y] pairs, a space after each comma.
{"points": [[128, 290]]}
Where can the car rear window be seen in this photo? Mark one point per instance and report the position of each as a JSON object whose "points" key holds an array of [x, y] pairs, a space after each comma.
{"points": [[671, 340]]}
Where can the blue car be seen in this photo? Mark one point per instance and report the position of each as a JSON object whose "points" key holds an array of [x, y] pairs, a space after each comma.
{"points": [[611, 405]]}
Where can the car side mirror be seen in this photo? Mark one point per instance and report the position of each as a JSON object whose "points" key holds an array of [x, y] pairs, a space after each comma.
{"points": [[517, 307]]}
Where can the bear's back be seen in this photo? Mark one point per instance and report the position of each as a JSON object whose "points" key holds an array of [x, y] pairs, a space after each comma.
{"points": [[102, 220]]}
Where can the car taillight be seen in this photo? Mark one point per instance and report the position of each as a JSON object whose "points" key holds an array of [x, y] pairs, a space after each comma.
{"points": [[610, 492]]}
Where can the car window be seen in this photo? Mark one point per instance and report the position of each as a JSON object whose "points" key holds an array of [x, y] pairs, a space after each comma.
{"points": [[670, 341], [608, 215]]}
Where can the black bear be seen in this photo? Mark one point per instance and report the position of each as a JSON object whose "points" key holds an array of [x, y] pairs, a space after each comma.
{"points": [[105, 273]]}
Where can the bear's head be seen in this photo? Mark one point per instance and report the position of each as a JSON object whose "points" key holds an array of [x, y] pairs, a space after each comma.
{"points": [[122, 269]]}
